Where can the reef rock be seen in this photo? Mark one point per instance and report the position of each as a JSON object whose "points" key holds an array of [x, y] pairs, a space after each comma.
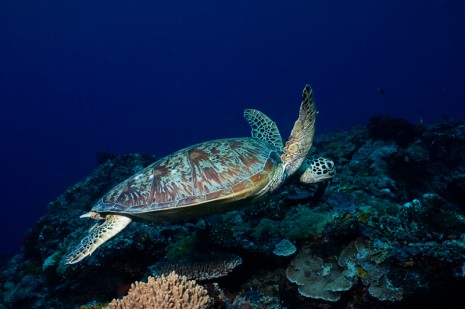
{"points": [[387, 231]]}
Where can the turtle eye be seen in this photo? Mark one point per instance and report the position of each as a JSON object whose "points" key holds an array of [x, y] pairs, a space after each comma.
{"points": [[330, 164]]}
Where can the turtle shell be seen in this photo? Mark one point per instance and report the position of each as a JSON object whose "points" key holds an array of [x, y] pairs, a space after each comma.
{"points": [[214, 172]]}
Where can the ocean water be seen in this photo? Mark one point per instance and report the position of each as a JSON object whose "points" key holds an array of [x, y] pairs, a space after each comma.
{"points": [[79, 77]]}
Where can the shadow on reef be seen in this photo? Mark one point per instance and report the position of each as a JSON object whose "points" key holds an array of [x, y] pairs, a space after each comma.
{"points": [[387, 232]]}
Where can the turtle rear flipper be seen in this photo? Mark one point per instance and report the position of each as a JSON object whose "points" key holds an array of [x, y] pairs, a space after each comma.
{"points": [[99, 234], [301, 139]]}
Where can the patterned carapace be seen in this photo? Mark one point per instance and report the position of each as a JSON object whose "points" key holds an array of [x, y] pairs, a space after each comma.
{"points": [[211, 177], [204, 172]]}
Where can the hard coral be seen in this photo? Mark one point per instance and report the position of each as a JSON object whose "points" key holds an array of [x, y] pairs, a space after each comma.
{"points": [[316, 278], [212, 266], [358, 256], [284, 248], [327, 279], [383, 289], [167, 292]]}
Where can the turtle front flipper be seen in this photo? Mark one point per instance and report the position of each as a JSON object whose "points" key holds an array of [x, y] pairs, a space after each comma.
{"points": [[301, 139], [319, 169], [99, 234], [263, 127]]}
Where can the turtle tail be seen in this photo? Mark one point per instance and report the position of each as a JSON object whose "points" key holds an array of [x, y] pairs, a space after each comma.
{"points": [[99, 234]]}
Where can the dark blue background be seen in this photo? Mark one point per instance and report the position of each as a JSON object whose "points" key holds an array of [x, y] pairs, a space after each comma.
{"points": [[77, 77]]}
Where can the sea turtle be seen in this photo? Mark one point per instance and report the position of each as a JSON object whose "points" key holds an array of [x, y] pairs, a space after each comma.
{"points": [[209, 177]]}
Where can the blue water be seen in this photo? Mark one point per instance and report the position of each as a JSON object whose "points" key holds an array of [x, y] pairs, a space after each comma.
{"points": [[78, 77]]}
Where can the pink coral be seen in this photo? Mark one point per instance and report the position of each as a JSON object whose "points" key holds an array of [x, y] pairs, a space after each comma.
{"points": [[166, 292]]}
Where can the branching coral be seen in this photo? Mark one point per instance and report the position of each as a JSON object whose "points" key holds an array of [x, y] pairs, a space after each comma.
{"points": [[166, 292]]}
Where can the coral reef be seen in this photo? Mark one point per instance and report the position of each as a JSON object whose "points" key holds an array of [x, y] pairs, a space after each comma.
{"points": [[388, 231], [317, 278], [300, 223], [362, 261], [385, 127], [284, 248], [209, 266], [167, 292]]}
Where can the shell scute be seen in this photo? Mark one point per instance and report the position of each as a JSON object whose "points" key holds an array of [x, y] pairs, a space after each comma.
{"points": [[133, 192], [214, 170]]}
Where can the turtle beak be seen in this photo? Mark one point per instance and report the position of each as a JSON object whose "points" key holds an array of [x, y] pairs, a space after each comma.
{"points": [[93, 215]]}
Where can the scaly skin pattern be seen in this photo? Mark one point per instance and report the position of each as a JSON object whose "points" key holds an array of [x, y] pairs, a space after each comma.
{"points": [[319, 169], [264, 128], [301, 139], [99, 234]]}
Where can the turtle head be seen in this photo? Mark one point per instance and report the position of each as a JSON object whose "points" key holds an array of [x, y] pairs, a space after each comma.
{"points": [[318, 169]]}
